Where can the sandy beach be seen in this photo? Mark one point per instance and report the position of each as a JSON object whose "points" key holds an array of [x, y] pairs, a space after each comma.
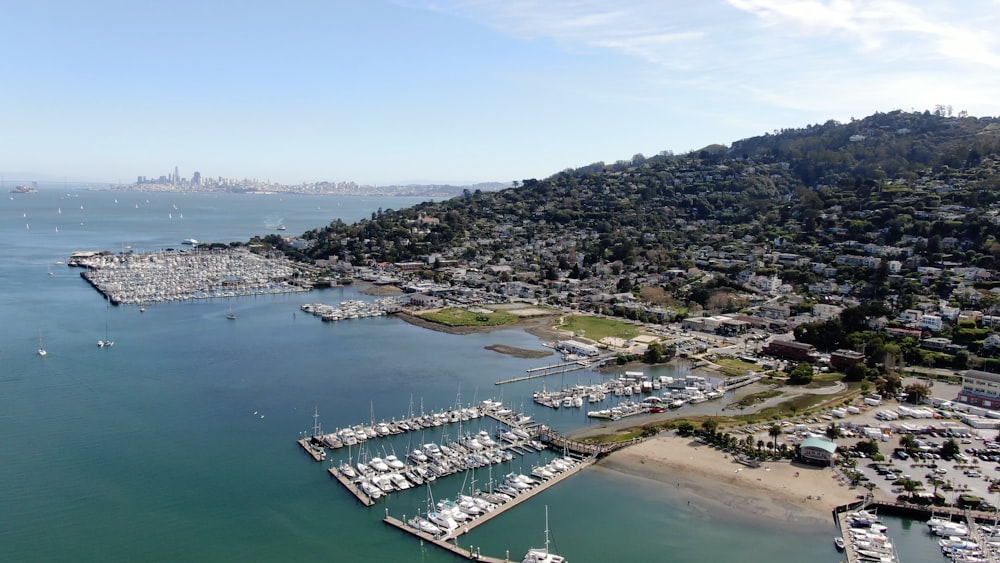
{"points": [[719, 486]]}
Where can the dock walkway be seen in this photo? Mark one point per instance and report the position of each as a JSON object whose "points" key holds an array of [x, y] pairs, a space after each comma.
{"points": [[469, 526]]}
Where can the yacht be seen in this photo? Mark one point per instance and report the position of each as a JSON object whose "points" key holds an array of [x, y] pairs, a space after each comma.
{"points": [[190, 242], [392, 461], [372, 491], [347, 471], [378, 465], [443, 521], [424, 526]]}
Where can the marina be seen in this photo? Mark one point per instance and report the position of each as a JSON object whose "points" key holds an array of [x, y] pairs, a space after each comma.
{"points": [[450, 541], [373, 478], [353, 309], [201, 380], [142, 278]]}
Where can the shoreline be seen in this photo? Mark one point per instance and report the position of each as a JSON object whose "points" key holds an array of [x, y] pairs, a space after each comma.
{"points": [[708, 479], [711, 481]]}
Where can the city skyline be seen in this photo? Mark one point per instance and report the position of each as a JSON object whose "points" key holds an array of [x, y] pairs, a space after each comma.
{"points": [[414, 91]]}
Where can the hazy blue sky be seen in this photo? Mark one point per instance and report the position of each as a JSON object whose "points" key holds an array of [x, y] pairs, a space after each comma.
{"points": [[457, 91]]}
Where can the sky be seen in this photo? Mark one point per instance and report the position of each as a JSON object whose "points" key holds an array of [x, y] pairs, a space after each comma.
{"points": [[458, 91]]}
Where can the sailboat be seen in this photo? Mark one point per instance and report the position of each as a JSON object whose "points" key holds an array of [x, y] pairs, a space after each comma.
{"points": [[41, 346], [231, 315], [542, 555], [107, 342]]}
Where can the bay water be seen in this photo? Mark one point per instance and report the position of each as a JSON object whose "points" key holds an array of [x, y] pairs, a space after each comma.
{"points": [[178, 443]]}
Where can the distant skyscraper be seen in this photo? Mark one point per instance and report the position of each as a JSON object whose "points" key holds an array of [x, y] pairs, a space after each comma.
{"points": [[196, 178], [177, 176]]}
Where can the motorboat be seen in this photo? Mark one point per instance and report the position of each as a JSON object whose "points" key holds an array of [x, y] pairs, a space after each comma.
{"points": [[394, 462], [347, 471], [424, 526]]}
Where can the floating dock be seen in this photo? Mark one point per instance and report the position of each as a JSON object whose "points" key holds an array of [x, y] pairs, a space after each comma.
{"points": [[316, 452], [351, 486], [473, 524]]}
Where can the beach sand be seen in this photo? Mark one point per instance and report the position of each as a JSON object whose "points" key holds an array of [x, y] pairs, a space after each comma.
{"points": [[719, 486]]}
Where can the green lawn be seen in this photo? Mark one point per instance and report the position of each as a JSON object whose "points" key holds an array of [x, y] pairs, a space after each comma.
{"points": [[733, 366], [596, 328], [462, 317]]}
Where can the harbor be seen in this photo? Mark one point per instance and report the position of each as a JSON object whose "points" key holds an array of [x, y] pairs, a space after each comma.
{"points": [[155, 277], [966, 536], [353, 309], [444, 521]]}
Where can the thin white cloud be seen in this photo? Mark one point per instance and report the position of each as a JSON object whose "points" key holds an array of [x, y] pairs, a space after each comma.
{"points": [[946, 33]]}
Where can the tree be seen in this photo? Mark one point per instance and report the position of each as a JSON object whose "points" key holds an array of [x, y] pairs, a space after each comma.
{"points": [[654, 353], [868, 446], [832, 431], [801, 374], [889, 385], [685, 428], [916, 393], [908, 442], [856, 372], [774, 431], [949, 448], [710, 426]]}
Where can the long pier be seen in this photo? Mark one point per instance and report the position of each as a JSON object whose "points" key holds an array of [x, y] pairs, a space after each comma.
{"points": [[469, 526], [546, 371]]}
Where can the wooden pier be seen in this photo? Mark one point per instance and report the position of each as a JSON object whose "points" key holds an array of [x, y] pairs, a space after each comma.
{"points": [[557, 440], [467, 552], [547, 371], [471, 525], [316, 452], [351, 486]]}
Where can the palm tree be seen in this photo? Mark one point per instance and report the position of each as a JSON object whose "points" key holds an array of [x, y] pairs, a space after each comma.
{"points": [[774, 431]]}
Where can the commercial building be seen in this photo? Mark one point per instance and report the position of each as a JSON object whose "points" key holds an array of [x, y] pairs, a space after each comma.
{"points": [[980, 389], [818, 451], [791, 350], [843, 359]]}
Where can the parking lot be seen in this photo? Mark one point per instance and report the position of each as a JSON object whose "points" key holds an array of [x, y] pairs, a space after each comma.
{"points": [[972, 470]]}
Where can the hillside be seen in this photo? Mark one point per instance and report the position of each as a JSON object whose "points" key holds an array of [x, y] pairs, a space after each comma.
{"points": [[881, 180]]}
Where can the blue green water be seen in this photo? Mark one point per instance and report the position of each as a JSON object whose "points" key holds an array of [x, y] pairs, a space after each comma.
{"points": [[151, 449]]}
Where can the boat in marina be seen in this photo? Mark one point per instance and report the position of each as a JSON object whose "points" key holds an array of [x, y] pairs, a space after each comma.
{"points": [[543, 555], [424, 526], [838, 542]]}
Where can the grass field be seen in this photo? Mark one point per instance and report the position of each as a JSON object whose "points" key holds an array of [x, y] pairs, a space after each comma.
{"points": [[733, 366], [596, 328], [461, 317]]}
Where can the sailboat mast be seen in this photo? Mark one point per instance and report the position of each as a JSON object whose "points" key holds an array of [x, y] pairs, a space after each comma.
{"points": [[546, 529], [316, 430]]}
